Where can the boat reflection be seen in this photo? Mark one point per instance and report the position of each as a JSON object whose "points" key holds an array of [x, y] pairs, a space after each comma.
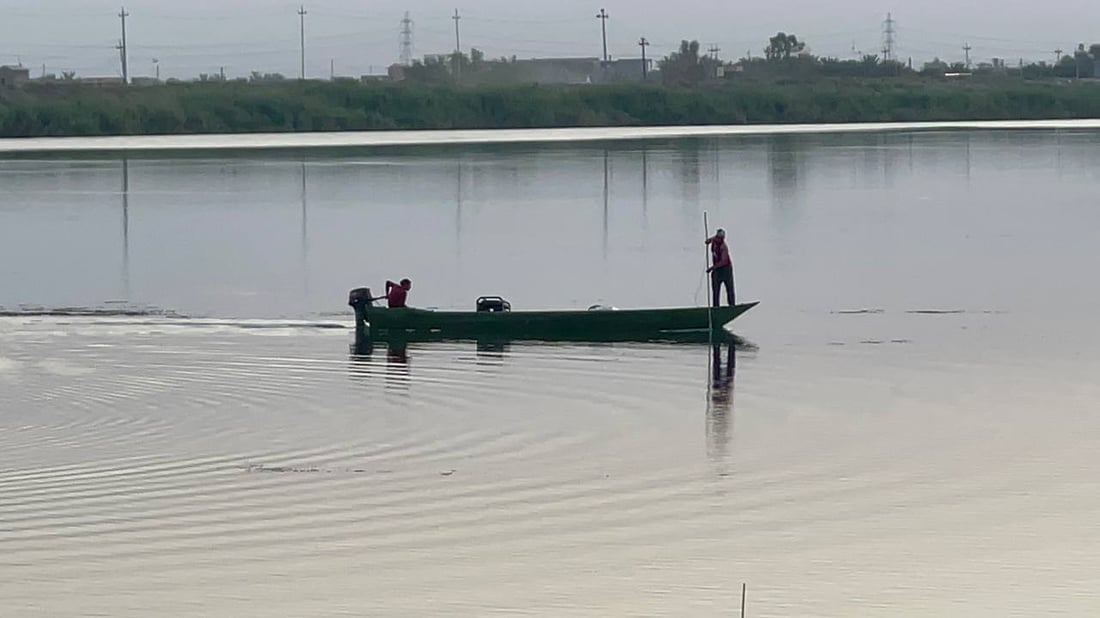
{"points": [[496, 351], [397, 350], [365, 345], [390, 361]]}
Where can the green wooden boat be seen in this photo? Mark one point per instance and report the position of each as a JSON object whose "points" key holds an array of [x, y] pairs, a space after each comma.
{"points": [[493, 320]]}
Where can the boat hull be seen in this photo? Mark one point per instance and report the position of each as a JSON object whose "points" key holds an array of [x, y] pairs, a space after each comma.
{"points": [[687, 323]]}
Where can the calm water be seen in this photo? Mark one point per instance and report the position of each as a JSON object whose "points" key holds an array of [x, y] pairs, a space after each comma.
{"points": [[909, 429]]}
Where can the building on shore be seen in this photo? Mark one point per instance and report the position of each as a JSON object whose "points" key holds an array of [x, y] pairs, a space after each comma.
{"points": [[628, 70], [10, 77], [545, 71], [558, 70], [583, 70], [396, 72], [99, 81]]}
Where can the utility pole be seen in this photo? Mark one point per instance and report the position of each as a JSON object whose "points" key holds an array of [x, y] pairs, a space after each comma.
{"points": [[643, 43], [122, 58], [967, 48], [1058, 56], [221, 73], [302, 24], [332, 69], [156, 68], [713, 51], [122, 47], [458, 48], [889, 38], [603, 17]]}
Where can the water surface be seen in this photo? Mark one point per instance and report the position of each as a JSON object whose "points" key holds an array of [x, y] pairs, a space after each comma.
{"points": [[907, 430]]}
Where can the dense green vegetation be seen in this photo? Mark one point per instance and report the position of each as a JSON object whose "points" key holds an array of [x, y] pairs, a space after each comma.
{"points": [[59, 108]]}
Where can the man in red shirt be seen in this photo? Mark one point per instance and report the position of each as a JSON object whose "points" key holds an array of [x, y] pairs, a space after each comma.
{"points": [[721, 270], [397, 293]]}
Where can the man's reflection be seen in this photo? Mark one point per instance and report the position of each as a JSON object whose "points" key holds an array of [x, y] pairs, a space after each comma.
{"points": [[397, 364], [491, 352], [397, 353], [397, 373], [126, 228], [720, 402]]}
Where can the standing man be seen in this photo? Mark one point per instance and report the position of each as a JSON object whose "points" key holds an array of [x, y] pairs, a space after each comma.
{"points": [[721, 270]]}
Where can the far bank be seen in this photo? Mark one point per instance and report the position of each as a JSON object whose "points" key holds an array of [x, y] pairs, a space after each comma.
{"points": [[63, 110]]}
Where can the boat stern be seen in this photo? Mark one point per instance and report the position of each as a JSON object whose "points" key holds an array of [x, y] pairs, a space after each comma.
{"points": [[360, 299]]}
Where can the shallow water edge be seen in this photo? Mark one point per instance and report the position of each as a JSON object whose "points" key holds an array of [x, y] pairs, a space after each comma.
{"points": [[347, 139]]}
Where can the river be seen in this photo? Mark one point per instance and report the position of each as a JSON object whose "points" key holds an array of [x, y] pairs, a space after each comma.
{"points": [[906, 429]]}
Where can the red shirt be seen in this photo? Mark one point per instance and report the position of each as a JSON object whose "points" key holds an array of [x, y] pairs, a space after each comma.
{"points": [[719, 253], [395, 295]]}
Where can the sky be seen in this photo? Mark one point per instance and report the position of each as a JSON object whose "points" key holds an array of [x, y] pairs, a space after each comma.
{"points": [[356, 37]]}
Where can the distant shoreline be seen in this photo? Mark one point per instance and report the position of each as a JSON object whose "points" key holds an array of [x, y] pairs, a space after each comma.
{"points": [[51, 117], [440, 137]]}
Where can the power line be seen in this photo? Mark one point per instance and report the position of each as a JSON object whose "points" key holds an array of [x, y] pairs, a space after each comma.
{"points": [[498, 18], [973, 37], [942, 44]]}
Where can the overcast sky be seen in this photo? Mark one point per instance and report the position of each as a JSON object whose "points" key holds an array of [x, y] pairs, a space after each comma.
{"points": [[360, 36]]}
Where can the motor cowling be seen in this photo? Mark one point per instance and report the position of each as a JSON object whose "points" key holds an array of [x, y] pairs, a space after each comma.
{"points": [[360, 297]]}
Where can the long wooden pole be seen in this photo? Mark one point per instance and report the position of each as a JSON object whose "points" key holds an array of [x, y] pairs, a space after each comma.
{"points": [[710, 280], [710, 316], [743, 587]]}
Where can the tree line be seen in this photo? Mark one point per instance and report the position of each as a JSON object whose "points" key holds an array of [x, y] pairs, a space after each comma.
{"points": [[66, 109], [786, 56]]}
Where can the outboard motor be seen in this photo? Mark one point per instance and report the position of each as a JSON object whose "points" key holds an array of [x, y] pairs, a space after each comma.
{"points": [[492, 304], [360, 297]]}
